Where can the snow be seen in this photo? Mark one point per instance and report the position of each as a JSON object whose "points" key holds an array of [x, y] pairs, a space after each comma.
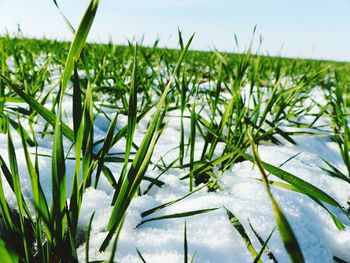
{"points": [[211, 237]]}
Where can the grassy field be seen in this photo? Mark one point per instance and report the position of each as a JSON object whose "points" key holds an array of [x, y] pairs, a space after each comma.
{"points": [[76, 117]]}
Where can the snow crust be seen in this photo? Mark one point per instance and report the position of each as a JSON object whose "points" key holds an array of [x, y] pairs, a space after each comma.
{"points": [[211, 236]]}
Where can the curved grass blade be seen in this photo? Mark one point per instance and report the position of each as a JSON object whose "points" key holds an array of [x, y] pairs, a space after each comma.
{"points": [[336, 221], [18, 127], [78, 42], [239, 227], [69, 25], [178, 215], [335, 172], [300, 184], [287, 235], [155, 209], [45, 113], [257, 259], [109, 176], [262, 242]]}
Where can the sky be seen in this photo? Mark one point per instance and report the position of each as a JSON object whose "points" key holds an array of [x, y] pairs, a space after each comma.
{"points": [[318, 29]]}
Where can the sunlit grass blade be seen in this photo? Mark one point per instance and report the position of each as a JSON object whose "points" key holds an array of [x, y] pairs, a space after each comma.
{"points": [[8, 256], [78, 42]]}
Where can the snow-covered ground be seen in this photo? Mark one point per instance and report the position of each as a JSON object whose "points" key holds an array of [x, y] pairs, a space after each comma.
{"points": [[211, 237]]}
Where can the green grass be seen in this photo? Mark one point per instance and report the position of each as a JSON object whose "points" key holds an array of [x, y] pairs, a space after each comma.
{"points": [[135, 81]]}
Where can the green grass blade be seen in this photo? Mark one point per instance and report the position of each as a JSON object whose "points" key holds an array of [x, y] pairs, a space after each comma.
{"points": [[140, 256], [69, 25], [38, 194], [77, 102], [287, 235], [105, 148], [155, 209], [177, 215], [336, 221], [192, 143], [79, 42], [132, 118], [335, 172], [300, 184], [115, 243], [239, 227], [185, 245], [262, 242], [5, 209], [7, 256], [58, 177], [45, 113], [257, 259], [87, 242], [18, 127], [18, 193]]}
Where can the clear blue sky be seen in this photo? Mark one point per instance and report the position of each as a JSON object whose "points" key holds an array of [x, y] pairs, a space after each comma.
{"points": [[294, 28]]}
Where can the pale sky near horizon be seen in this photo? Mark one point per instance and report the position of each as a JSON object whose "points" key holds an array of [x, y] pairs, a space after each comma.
{"points": [[300, 28]]}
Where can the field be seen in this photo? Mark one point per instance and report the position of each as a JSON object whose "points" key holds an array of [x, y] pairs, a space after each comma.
{"points": [[143, 154]]}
